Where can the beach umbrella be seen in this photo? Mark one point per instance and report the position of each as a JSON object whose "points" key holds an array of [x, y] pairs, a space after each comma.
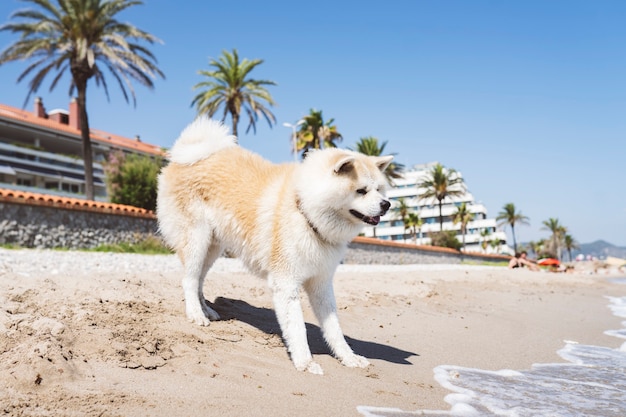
{"points": [[548, 262]]}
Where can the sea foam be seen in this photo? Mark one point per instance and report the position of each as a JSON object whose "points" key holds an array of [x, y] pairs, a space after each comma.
{"points": [[593, 383]]}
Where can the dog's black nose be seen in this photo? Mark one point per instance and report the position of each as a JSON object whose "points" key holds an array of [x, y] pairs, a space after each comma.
{"points": [[384, 205]]}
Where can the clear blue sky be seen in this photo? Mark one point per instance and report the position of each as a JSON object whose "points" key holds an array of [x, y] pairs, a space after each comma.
{"points": [[526, 98]]}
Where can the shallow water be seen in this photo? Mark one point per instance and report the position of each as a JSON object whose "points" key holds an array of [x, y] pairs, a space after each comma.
{"points": [[593, 383]]}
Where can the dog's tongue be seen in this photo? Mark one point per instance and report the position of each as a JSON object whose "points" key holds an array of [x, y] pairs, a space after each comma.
{"points": [[373, 220]]}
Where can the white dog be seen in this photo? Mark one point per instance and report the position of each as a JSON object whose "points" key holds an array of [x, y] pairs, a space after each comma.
{"points": [[290, 223]]}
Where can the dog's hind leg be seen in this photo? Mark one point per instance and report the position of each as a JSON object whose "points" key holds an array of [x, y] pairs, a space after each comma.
{"points": [[322, 299], [212, 254], [198, 256]]}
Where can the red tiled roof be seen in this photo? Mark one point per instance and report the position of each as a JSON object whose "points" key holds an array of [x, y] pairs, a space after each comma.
{"points": [[96, 135], [36, 199]]}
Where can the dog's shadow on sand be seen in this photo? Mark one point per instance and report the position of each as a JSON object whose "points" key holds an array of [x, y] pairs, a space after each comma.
{"points": [[264, 319]]}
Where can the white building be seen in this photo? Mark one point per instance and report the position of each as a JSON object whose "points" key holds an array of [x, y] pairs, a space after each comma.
{"points": [[391, 226], [42, 151]]}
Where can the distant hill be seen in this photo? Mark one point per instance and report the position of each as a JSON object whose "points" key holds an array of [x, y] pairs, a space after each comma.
{"points": [[599, 249]]}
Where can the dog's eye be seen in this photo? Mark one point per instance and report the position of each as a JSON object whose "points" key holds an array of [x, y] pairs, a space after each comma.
{"points": [[361, 191]]}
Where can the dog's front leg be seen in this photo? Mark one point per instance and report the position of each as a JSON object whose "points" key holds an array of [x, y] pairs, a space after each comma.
{"points": [[289, 314], [322, 298]]}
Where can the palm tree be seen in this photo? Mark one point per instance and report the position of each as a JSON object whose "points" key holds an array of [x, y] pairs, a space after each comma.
{"points": [[556, 239], [402, 209], [369, 146], [419, 229], [537, 247], [569, 243], [484, 234], [413, 222], [228, 86], [82, 37], [510, 216], [495, 245], [314, 133], [439, 184], [463, 216]]}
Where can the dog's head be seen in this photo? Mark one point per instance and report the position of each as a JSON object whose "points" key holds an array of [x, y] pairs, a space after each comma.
{"points": [[365, 184], [346, 186]]}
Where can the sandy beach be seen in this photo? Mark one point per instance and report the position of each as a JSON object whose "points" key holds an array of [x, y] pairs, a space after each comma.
{"points": [[106, 335]]}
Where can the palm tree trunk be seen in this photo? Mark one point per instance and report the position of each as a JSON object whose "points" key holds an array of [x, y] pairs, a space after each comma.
{"points": [[235, 117], [440, 218], [81, 87], [514, 242], [463, 231]]}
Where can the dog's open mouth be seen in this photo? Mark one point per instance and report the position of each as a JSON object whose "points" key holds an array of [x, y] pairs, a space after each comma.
{"points": [[367, 219]]}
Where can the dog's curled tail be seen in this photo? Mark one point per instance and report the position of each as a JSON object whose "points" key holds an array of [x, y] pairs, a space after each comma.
{"points": [[200, 139]]}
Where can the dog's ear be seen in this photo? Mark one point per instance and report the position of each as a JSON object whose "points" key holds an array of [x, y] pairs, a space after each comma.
{"points": [[382, 162], [344, 165]]}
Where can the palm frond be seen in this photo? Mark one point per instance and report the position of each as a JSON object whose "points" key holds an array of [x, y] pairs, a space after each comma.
{"points": [[227, 86], [81, 37]]}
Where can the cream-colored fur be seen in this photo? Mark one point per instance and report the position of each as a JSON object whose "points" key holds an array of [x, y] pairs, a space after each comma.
{"points": [[288, 223]]}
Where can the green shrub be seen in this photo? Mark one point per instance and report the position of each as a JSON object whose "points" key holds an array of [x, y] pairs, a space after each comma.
{"points": [[150, 246], [486, 263], [132, 179], [446, 239]]}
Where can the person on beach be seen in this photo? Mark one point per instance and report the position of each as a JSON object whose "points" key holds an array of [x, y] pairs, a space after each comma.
{"points": [[520, 261]]}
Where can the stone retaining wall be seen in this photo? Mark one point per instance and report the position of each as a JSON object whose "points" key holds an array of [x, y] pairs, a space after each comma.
{"points": [[365, 250], [43, 221]]}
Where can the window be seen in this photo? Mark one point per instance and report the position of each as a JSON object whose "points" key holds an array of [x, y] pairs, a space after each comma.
{"points": [[70, 188]]}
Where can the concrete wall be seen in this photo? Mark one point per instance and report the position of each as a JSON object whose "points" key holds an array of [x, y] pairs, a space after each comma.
{"points": [[45, 221]]}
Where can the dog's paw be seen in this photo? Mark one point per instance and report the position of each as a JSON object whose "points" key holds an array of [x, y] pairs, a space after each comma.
{"points": [[311, 367], [200, 320], [197, 315], [201, 314], [209, 312], [314, 368], [355, 361]]}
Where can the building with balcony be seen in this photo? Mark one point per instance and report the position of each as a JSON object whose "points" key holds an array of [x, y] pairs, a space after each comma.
{"points": [[42, 151], [482, 231]]}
